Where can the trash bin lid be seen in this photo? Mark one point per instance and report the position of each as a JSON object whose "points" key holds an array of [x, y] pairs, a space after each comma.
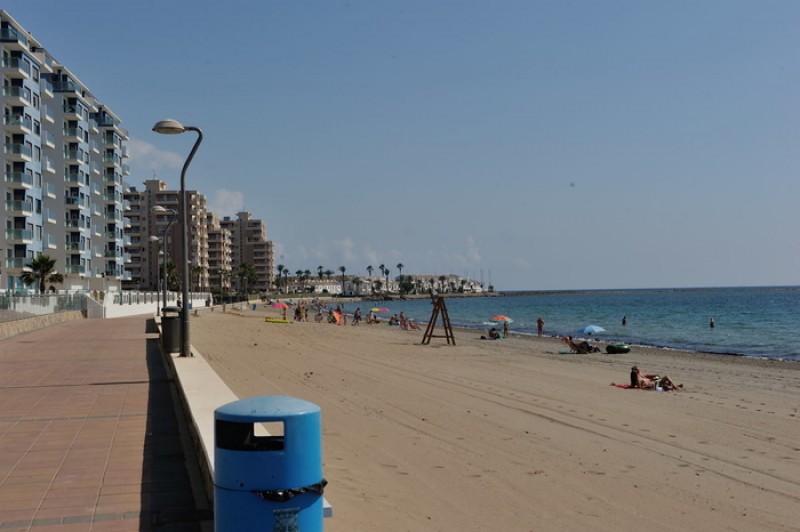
{"points": [[265, 408], [171, 309]]}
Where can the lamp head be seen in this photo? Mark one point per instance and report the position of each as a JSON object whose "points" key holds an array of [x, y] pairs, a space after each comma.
{"points": [[154, 239], [169, 126]]}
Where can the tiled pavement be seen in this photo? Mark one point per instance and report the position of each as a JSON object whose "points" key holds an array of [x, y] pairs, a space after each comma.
{"points": [[89, 438]]}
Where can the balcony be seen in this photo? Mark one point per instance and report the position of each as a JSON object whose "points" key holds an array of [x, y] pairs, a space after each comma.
{"points": [[19, 208], [11, 38], [75, 224], [75, 268], [17, 95], [73, 156], [73, 134], [18, 124], [73, 111], [15, 65], [19, 236], [76, 247], [74, 177], [16, 262], [112, 197], [110, 253], [114, 178], [19, 152], [19, 178]]}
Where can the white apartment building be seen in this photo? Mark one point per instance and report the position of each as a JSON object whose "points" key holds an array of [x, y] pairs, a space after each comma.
{"points": [[63, 168]]}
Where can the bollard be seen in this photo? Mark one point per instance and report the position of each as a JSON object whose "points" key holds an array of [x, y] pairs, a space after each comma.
{"points": [[268, 482]]}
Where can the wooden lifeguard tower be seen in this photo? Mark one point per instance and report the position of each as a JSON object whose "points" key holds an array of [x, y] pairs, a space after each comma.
{"points": [[439, 308]]}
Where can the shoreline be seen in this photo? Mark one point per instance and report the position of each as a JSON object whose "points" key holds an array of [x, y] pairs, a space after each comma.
{"points": [[511, 435]]}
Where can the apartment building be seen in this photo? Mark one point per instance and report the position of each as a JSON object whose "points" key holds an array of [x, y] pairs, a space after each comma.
{"points": [[220, 258], [63, 168], [146, 221], [249, 244]]}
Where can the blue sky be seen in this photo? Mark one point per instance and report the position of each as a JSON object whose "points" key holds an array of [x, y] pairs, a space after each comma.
{"points": [[549, 145]]}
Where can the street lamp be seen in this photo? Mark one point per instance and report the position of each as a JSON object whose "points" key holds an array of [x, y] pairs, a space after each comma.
{"points": [[173, 127], [159, 209]]}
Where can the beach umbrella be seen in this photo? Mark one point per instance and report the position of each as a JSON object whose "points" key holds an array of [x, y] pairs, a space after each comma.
{"points": [[591, 329], [280, 305], [502, 317], [382, 309]]}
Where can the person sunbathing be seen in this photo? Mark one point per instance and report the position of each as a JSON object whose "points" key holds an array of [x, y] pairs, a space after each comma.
{"points": [[582, 348], [651, 382]]}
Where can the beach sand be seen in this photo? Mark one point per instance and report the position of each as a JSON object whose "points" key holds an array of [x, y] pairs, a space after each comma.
{"points": [[510, 435]]}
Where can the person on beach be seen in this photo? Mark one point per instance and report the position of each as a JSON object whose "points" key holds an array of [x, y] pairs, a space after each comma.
{"points": [[651, 382], [711, 323], [357, 316], [582, 348], [505, 329], [494, 334], [624, 320], [539, 325]]}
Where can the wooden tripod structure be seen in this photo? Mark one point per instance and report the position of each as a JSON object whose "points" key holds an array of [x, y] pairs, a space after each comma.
{"points": [[439, 308]]}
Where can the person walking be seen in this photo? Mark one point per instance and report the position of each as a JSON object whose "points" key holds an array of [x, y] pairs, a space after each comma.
{"points": [[539, 325]]}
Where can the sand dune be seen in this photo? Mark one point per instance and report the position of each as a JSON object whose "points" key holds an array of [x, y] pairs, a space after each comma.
{"points": [[510, 435]]}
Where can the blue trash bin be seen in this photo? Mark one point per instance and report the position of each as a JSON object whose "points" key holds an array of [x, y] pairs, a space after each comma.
{"points": [[268, 482]]}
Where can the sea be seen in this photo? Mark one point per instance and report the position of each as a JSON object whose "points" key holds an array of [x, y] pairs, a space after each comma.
{"points": [[761, 322]]}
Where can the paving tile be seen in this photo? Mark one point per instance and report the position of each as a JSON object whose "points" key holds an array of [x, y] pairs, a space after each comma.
{"points": [[88, 433]]}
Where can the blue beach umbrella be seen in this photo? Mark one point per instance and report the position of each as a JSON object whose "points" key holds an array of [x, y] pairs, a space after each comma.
{"points": [[591, 329]]}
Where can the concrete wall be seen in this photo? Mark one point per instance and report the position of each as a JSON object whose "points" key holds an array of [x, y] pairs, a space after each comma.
{"points": [[12, 328]]}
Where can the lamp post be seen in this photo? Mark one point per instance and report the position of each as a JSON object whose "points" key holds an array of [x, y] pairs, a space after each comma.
{"points": [[158, 209], [173, 127], [160, 285]]}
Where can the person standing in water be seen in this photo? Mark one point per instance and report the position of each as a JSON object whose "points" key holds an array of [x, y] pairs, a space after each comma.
{"points": [[539, 325], [711, 323], [624, 320]]}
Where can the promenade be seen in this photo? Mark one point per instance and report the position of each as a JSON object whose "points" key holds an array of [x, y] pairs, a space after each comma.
{"points": [[89, 437]]}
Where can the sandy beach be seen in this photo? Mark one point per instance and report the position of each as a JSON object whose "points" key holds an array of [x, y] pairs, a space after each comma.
{"points": [[511, 435]]}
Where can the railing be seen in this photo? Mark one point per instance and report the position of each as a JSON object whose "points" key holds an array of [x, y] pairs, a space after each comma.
{"points": [[25, 206], [75, 268], [19, 177], [16, 92], [18, 120], [19, 234], [12, 35], [16, 63], [19, 149], [16, 307]]}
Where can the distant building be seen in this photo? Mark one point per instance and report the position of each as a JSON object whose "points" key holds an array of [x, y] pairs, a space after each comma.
{"points": [[249, 244]]}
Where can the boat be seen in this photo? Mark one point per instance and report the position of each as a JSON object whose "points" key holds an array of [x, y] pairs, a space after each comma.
{"points": [[615, 349]]}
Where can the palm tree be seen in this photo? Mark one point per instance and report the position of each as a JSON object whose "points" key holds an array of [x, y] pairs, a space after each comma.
{"points": [[400, 267], [342, 269], [247, 273], [42, 271], [328, 274], [442, 279], [357, 282], [369, 270], [319, 271], [382, 268], [386, 274], [280, 268]]}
